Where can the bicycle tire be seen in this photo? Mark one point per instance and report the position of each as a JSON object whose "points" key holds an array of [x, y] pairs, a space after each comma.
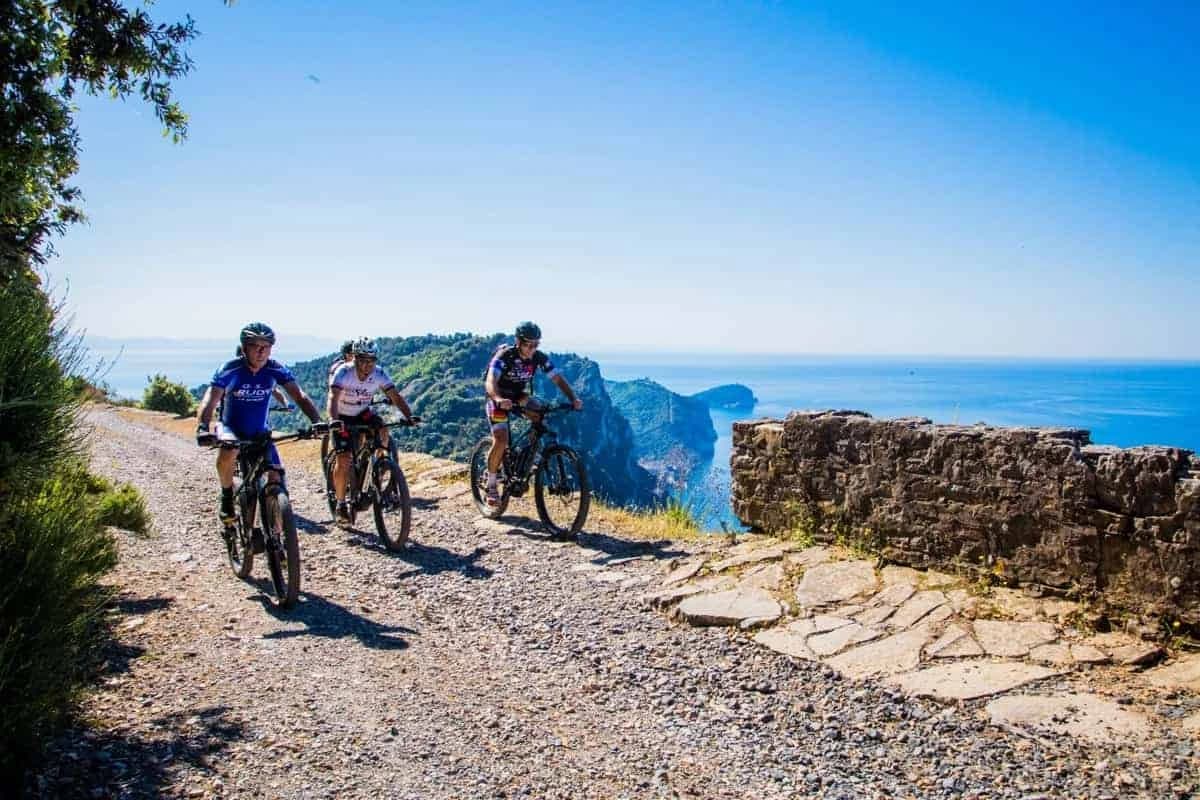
{"points": [[393, 505], [283, 554], [477, 475], [561, 492], [238, 544], [328, 462]]}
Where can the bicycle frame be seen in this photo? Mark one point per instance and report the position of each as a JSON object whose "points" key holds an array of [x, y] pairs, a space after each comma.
{"points": [[523, 457]]}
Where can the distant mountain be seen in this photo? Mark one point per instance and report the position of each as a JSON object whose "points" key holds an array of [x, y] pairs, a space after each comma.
{"points": [[673, 434], [730, 396], [442, 379]]}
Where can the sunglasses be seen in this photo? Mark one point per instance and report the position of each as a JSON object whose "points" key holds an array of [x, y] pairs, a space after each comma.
{"points": [[534, 342]]}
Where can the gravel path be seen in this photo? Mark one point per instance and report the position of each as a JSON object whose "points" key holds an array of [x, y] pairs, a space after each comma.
{"points": [[480, 663]]}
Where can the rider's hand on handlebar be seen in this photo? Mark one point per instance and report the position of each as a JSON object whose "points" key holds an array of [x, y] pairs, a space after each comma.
{"points": [[204, 437], [413, 419], [504, 403], [577, 404]]}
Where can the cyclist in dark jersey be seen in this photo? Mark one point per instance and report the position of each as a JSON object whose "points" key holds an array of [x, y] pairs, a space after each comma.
{"points": [[508, 377], [246, 384]]}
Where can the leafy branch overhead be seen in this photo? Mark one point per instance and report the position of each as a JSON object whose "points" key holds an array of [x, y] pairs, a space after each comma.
{"points": [[48, 52]]}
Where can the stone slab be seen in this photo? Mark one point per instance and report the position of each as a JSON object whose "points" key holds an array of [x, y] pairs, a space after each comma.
{"points": [[827, 622], [1136, 655], [764, 576], [1086, 654], [665, 597], [955, 642], [875, 616], [1081, 716], [894, 593], [1056, 654], [1192, 724], [1181, 673], [809, 557], [835, 582], [914, 608], [788, 639], [1012, 639], [753, 557], [895, 574], [729, 607], [898, 653], [684, 572], [967, 680], [832, 642]]}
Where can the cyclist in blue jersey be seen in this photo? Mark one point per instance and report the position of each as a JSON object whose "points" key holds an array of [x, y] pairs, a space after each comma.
{"points": [[507, 383], [246, 384]]}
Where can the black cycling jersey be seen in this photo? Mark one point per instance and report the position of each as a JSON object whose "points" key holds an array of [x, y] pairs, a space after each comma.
{"points": [[514, 373]]}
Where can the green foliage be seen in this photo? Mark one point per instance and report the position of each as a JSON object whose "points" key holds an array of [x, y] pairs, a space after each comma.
{"points": [[678, 515], [162, 395], [37, 406], [123, 507], [48, 51], [53, 552]]}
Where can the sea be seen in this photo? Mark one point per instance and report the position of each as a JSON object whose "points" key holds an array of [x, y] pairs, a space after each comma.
{"points": [[1123, 403]]}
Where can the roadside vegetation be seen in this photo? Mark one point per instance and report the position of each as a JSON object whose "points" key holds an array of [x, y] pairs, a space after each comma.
{"points": [[55, 548]]}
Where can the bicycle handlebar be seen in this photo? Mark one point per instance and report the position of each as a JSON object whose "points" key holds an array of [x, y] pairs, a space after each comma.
{"points": [[548, 409], [317, 429]]}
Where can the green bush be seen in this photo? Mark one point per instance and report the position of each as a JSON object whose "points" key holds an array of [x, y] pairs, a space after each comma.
{"points": [[162, 395], [53, 552], [125, 508]]}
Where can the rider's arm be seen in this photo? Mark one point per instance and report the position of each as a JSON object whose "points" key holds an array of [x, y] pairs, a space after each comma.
{"points": [[212, 396], [567, 390], [302, 400], [331, 403], [493, 393], [398, 401], [279, 396]]}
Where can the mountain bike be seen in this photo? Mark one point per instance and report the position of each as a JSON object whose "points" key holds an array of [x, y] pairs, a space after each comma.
{"points": [[276, 537], [375, 481], [560, 483]]}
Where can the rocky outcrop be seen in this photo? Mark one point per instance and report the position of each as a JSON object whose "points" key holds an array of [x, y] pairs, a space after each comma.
{"points": [[673, 434], [1039, 507], [729, 396]]}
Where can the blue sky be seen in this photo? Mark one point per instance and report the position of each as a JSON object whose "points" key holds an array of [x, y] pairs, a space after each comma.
{"points": [[700, 176]]}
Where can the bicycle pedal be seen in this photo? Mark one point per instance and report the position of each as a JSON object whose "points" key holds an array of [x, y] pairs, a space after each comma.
{"points": [[257, 542]]}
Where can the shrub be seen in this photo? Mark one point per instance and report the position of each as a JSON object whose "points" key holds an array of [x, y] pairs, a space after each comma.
{"points": [[162, 395], [125, 508], [53, 552]]}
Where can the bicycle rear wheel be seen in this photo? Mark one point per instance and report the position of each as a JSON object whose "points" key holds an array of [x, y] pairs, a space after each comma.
{"points": [[478, 478], [283, 549], [237, 538], [392, 506], [561, 492]]}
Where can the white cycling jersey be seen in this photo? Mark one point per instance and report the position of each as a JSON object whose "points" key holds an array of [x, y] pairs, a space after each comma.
{"points": [[356, 394]]}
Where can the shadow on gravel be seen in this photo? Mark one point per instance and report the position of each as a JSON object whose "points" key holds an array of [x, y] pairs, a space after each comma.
{"points": [[90, 763], [309, 525], [139, 606], [431, 560], [327, 619], [624, 548]]}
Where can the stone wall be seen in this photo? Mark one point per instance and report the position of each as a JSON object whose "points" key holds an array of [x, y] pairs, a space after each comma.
{"points": [[1040, 507]]}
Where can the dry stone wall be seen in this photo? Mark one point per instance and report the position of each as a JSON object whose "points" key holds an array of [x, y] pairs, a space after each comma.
{"points": [[1041, 507]]}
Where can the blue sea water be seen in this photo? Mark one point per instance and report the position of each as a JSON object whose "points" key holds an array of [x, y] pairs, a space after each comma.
{"points": [[1121, 403]]}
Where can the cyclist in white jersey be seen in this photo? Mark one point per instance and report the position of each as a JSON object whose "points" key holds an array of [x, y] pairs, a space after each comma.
{"points": [[350, 391]]}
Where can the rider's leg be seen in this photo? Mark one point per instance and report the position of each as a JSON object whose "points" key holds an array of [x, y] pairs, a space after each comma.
{"points": [[226, 461], [496, 454], [341, 474]]}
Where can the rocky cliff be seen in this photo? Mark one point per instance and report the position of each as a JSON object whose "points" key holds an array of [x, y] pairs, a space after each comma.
{"points": [[442, 379], [1039, 507], [673, 434]]}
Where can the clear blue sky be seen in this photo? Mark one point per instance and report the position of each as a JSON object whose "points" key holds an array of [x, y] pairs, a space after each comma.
{"points": [[695, 176]]}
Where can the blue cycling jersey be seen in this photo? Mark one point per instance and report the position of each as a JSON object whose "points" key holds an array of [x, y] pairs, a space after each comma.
{"points": [[248, 394]]}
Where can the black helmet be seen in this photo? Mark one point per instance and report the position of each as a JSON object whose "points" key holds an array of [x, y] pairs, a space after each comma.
{"points": [[257, 330], [365, 347], [347, 347], [528, 330]]}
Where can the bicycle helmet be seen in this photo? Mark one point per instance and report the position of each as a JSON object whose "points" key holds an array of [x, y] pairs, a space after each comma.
{"points": [[347, 347], [257, 330], [365, 347], [528, 330]]}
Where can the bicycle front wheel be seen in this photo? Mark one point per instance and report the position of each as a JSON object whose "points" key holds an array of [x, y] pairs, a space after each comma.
{"points": [[328, 463], [393, 506], [478, 478], [561, 492], [283, 549]]}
